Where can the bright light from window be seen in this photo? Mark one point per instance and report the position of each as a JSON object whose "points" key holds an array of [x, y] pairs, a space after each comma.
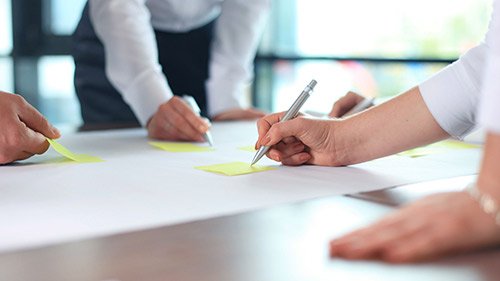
{"points": [[58, 101], [6, 79], [65, 15], [5, 27], [56, 76], [391, 28]]}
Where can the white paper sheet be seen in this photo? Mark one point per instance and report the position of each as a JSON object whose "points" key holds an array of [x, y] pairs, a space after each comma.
{"points": [[140, 186]]}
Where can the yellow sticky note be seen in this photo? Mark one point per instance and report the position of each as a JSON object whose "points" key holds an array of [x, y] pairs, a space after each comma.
{"points": [[180, 147], [80, 158], [420, 151], [250, 148], [235, 168], [454, 145]]}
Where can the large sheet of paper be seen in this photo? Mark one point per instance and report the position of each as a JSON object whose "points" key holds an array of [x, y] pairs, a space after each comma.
{"points": [[50, 199]]}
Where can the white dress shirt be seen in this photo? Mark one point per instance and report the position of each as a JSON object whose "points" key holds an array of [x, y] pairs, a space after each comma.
{"points": [[126, 28], [469, 88], [489, 113]]}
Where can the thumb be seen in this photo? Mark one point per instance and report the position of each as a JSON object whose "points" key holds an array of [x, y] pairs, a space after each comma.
{"points": [[345, 104], [37, 122], [291, 128]]}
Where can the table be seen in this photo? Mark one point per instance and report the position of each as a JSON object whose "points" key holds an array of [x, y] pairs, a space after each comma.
{"points": [[287, 242], [143, 214]]}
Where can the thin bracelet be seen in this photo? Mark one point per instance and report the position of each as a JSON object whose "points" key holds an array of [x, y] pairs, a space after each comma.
{"points": [[487, 203]]}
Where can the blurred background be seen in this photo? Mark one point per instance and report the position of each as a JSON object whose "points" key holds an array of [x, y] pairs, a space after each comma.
{"points": [[377, 48]]}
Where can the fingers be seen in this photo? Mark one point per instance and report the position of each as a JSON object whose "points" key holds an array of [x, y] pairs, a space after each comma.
{"points": [[264, 124], [184, 119], [35, 142], [36, 121], [23, 129], [288, 147], [290, 152], [176, 121], [278, 131], [252, 113], [275, 151], [20, 142], [386, 240], [198, 124], [435, 226], [296, 159], [344, 104], [22, 155], [239, 114]]}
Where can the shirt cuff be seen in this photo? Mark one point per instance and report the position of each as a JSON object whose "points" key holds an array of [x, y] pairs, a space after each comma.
{"points": [[146, 94], [451, 100], [223, 95]]}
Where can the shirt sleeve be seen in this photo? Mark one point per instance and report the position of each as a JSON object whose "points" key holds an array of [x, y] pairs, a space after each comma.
{"points": [[131, 54], [489, 107], [236, 37], [452, 95]]}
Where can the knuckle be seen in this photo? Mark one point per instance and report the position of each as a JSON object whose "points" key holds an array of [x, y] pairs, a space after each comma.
{"points": [[276, 129], [176, 119], [18, 99], [163, 107], [175, 100], [14, 139], [261, 124]]}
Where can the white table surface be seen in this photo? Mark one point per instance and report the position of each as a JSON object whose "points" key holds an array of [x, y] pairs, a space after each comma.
{"points": [[48, 200]]}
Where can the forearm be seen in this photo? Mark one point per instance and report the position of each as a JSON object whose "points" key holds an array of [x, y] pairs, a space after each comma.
{"points": [[489, 177], [131, 54], [399, 124], [236, 37]]}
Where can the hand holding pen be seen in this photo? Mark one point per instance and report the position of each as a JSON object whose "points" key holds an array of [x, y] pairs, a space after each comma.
{"points": [[304, 140], [290, 114], [207, 136], [175, 120], [350, 104]]}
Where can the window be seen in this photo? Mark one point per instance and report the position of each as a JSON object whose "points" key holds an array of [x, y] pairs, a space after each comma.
{"points": [[5, 28], [57, 99], [390, 28], [42, 68], [65, 15], [336, 78], [6, 79], [376, 48]]}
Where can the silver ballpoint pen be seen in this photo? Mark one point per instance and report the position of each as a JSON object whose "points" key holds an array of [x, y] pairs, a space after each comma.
{"points": [[290, 114], [194, 106]]}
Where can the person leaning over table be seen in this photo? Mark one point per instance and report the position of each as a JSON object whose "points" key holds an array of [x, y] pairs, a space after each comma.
{"points": [[22, 129], [445, 105], [153, 51]]}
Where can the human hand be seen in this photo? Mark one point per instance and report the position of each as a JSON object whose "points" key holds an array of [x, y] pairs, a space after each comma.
{"points": [[302, 140], [345, 104], [239, 114], [175, 120], [435, 226], [22, 129]]}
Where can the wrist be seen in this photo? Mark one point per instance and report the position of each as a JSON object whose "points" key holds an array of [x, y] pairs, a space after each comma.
{"points": [[347, 143], [488, 203], [355, 141]]}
